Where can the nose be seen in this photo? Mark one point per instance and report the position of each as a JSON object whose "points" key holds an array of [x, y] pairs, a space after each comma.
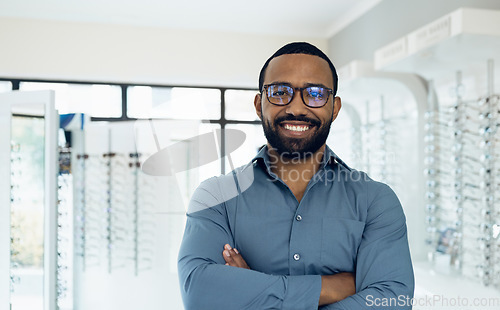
{"points": [[296, 107]]}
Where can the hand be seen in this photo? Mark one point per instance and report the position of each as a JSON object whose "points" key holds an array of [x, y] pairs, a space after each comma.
{"points": [[336, 287], [233, 257]]}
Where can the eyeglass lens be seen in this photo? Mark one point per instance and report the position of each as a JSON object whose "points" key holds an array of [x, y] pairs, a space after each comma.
{"points": [[313, 96]]}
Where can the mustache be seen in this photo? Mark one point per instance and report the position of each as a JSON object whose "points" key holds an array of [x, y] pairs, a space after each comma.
{"points": [[312, 122]]}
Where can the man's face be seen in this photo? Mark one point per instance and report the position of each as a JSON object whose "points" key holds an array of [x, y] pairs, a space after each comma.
{"points": [[296, 130]]}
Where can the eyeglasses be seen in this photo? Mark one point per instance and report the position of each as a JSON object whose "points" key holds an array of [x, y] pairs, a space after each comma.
{"points": [[312, 96]]}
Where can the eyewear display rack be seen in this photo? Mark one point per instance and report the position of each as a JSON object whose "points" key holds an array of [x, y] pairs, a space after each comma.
{"points": [[39, 108], [462, 208], [65, 231], [15, 198], [381, 140], [458, 52], [114, 212]]}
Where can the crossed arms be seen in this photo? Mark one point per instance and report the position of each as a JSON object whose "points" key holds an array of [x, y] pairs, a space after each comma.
{"points": [[383, 268], [333, 287]]}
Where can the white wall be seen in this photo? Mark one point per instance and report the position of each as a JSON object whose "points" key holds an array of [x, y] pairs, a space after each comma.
{"points": [[114, 53]]}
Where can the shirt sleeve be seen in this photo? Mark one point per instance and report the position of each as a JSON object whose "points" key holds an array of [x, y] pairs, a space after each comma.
{"points": [[384, 272], [207, 283]]}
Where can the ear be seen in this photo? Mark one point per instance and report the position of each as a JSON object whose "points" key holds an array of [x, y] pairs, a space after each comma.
{"points": [[257, 102], [337, 104]]}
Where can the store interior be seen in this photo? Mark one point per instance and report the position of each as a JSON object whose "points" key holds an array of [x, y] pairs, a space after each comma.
{"points": [[92, 97]]}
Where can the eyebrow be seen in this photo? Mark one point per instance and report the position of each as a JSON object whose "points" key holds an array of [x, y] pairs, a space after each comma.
{"points": [[316, 84], [305, 85]]}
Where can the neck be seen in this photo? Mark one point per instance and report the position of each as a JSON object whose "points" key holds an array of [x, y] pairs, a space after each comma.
{"points": [[295, 170]]}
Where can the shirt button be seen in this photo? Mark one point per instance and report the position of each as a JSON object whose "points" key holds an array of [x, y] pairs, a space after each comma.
{"points": [[298, 218], [296, 256]]}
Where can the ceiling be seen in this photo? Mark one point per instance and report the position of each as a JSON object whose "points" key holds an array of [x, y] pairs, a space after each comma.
{"points": [[314, 18]]}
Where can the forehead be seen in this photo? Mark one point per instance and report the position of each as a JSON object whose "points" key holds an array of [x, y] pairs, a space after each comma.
{"points": [[299, 69]]}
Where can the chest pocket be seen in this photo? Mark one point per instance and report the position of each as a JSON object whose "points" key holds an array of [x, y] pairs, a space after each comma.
{"points": [[340, 243], [263, 242]]}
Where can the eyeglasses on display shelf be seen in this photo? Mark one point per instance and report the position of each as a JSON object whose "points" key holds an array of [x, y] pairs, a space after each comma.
{"points": [[121, 214], [444, 232], [381, 140], [15, 198], [80, 220], [462, 152], [93, 202], [433, 177], [27, 213], [116, 221], [65, 230]]}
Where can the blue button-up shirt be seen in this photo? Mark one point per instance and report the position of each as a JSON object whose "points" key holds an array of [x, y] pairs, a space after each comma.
{"points": [[345, 222]]}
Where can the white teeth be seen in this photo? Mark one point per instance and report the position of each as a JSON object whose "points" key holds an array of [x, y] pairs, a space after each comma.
{"points": [[296, 128]]}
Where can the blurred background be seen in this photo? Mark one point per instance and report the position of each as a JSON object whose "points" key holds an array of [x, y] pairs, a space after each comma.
{"points": [[90, 90]]}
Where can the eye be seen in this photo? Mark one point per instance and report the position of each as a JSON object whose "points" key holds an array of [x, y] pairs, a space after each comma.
{"points": [[315, 92], [280, 90]]}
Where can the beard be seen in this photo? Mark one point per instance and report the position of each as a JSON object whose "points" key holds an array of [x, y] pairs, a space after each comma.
{"points": [[296, 147]]}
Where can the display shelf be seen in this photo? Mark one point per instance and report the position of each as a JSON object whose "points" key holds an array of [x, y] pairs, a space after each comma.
{"points": [[39, 106], [388, 108], [460, 54], [460, 41]]}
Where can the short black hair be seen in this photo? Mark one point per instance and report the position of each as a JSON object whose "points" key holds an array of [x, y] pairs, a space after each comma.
{"points": [[300, 48]]}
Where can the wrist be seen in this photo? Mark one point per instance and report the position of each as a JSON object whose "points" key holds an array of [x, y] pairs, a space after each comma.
{"points": [[326, 296], [336, 287]]}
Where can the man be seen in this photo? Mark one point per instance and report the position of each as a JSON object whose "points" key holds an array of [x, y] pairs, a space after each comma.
{"points": [[296, 228]]}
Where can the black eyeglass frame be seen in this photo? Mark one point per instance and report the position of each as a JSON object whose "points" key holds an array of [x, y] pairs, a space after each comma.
{"points": [[294, 89]]}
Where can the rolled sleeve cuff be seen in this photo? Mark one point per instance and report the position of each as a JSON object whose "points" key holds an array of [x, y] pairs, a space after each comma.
{"points": [[302, 292]]}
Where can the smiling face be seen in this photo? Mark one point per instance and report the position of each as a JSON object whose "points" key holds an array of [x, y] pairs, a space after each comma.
{"points": [[296, 130]]}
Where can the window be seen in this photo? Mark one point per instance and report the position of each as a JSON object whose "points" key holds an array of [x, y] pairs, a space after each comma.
{"points": [[93, 99], [240, 106], [5, 86], [173, 102], [104, 102]]}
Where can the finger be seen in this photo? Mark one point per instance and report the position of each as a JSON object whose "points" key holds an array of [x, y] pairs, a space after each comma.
{"points": [[233, 257], [231, 250], [227, 257], [224, 254], [230, 256], [237, 259]]}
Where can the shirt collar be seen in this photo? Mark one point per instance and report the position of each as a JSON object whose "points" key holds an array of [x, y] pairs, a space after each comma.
{"points": [[329, 157]]}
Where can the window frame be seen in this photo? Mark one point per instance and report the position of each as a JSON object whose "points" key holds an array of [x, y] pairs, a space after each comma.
{"points": [[222, 121]]}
